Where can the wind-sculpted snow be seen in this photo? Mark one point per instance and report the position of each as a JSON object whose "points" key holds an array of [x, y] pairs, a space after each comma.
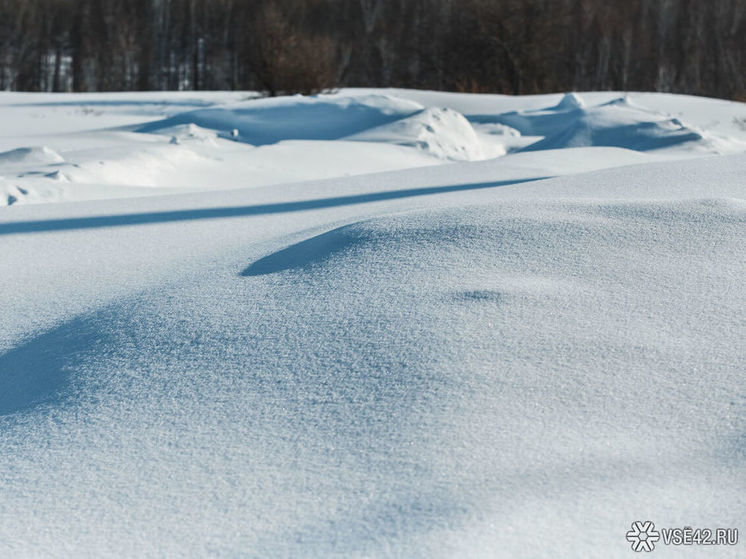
{"points": [[397, 383], [311, 251], [261, 122], [116, 145], [442, 132], [618, 123], [462, 360], [33, 155], [374, 118]]}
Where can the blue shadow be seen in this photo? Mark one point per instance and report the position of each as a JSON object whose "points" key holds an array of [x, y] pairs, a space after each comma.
{"points": [[38, 371], [299, 255], [122, 220]]}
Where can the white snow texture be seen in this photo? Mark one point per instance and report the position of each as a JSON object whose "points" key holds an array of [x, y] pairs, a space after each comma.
{"points": [[378, 323]]}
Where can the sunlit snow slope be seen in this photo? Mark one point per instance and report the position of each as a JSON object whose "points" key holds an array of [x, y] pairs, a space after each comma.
{"points": [[518, 328], [113, 145]]}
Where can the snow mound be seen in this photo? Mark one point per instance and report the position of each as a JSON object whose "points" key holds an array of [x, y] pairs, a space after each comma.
{"points": [[618, 130], [570, 102], [378, 242], [155, 166], [617, 123], [35, 155], [314, 251], [444, 133], [183, 133], [268, 121]]}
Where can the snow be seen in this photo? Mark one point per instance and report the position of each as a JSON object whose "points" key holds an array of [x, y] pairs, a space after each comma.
{"points": [[152, 144], [30, 155], [269, 121], [617, 123], [570, 102], [443, 133], [357, 336]]}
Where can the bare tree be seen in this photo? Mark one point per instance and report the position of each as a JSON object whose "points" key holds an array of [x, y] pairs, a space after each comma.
{"points": [[508, 46], [290, 60]]}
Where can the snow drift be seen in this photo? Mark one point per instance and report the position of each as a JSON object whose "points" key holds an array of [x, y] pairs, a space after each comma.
{"points": [[268, 121], [443, 133], [617, 123], [513, 357], [35, 155]]}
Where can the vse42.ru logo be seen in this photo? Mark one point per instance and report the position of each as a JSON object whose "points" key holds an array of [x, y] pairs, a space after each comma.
{"points": [[643, 536]]}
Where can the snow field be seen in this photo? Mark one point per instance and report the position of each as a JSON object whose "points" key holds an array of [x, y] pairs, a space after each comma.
{"points": [[446, 354]]}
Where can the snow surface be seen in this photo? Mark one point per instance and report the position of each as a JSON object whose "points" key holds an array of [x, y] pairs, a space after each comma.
{"points": [[377, 323]]}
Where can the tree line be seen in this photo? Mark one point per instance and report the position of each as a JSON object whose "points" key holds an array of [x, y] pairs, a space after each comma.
{"points": [[285, 46]]}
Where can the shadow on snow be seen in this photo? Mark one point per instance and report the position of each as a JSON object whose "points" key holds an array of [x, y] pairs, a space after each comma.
{"points": [[122, 220]]}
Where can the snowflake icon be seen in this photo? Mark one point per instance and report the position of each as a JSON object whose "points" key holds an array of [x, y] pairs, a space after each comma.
{"points": [[643, 536]]}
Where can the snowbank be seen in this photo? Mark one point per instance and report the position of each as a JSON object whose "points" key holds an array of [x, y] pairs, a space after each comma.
{"points": [[35, 155], [226, 140], [268, 121], [443, 133], [618, 123]]}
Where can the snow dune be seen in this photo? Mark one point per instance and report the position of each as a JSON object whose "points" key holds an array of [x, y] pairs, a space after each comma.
{"points": [[456, 359], [30, 155], [441, 132], [617, 123], [269, 121], [252, 142]]}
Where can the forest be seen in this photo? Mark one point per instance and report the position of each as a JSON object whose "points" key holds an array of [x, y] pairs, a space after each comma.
{"points": [[306, 46]]}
